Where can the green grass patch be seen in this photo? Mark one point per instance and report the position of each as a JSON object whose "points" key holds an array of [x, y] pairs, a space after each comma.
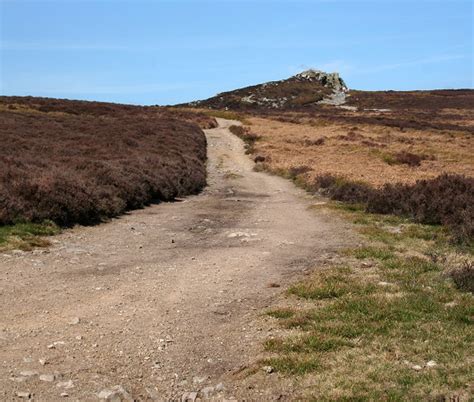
{"points": [[372, 252], [329, 285], [25, 236], [281, 313], [295, 364], [369, 327]]}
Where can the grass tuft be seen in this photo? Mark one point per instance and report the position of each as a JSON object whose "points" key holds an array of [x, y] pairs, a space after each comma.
{"points": [[26, 236]]}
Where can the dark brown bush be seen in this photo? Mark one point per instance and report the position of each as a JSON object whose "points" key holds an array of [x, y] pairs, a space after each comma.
{"points": [[295, 171], [408, 158], [342, 190], [239, 131], [320, 141], [447, 200], [245, 135], [81, 162], [463, 277]]}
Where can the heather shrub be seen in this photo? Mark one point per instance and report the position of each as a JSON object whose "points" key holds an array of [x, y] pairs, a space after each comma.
{"points": [[95, 163], [446, 200], [295, 171], [340, 189], [245, 135], [463, 277], [408, 158], [405, 158]]}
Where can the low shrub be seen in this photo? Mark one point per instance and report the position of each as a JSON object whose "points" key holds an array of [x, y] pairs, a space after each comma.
{"points": [[340, 189], [463, 277], [320, 141], [406, 158], [245, 135], [94, 163], [295, 171], [447, 200]]}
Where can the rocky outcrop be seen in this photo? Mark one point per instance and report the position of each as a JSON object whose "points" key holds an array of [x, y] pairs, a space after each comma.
{"points": [[311, 87], [328, 80]]}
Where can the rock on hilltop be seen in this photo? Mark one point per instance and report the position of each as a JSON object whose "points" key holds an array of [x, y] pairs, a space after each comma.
{"points": [[329, 80], [304, 89]]}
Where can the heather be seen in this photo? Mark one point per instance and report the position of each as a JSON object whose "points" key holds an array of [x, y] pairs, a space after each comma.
{"points": [[81, 162], [446, 200]]}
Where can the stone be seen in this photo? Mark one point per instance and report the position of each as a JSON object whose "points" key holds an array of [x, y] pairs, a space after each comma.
{"points": [[115, 394], [28, 373], [75, 321], [237, 234], [24, 395], [199, 380], [207, 392], [109, 395], [329, 80], [431, 363], [43, 362], [47, 377], [65, 384], [219, 387], [64, 394], [189, 397], [267, 369], [153, 394], [416, 367], [18, 379]]}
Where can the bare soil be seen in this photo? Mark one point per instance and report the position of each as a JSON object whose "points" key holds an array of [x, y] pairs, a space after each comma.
{"points": [[168, 299]]}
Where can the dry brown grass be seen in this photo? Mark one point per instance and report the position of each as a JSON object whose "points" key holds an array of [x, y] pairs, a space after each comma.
{"points": [[362, 152]]}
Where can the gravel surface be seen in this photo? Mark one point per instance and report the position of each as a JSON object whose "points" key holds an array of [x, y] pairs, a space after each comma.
{"points": [[164, 303]]}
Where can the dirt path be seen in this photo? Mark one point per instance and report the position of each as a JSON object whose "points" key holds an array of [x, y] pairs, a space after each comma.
{"points": [[164, 300]]}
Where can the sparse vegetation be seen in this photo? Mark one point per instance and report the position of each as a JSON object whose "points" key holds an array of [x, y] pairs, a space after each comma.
{"points": [[446, 200], [405, 158], [389, 323], [25, 236], [247, 136]]}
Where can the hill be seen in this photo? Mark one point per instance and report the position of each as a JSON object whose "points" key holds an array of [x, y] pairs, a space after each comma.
{"points": [[307, 88]]}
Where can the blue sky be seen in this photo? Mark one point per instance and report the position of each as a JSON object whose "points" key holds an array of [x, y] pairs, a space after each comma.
{"points": [[164, 52]]}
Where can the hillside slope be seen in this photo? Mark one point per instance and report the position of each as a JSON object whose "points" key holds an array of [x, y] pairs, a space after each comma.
{"points": [[80, 162], [307, 88]]}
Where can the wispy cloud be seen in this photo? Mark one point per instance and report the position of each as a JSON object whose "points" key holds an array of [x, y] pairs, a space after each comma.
{"points": [[412, 63], [223, 42], [350, 68]]}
